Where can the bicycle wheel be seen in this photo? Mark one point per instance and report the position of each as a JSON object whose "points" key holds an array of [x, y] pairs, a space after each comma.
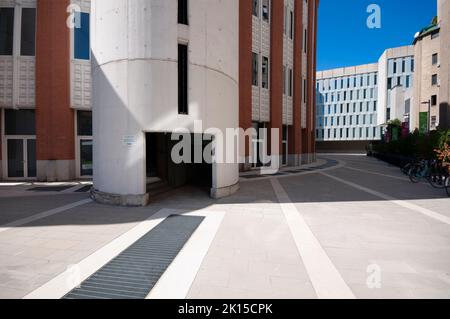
{"points": [[437, 180]]}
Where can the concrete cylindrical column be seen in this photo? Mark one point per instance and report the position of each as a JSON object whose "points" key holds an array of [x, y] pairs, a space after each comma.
{"points": [[135, 85]]}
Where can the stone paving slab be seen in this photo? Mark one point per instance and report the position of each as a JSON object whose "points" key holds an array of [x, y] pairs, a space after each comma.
{"points": [[12, 209], [254, 254]]}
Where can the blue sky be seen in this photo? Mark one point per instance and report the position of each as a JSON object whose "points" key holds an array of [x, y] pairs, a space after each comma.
{"points": [[344, 38]]}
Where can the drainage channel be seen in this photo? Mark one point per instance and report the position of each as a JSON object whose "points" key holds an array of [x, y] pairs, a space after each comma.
{"points": [[134, 273]]}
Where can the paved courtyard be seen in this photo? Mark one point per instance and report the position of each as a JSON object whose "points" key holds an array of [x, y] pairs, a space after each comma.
{"points": [[357, 229]]}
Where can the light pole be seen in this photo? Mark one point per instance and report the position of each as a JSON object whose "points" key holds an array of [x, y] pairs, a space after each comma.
{"points": [[429, 115]]}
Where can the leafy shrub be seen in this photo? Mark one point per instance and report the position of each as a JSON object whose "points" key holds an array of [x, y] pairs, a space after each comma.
{"points": [[416, 145]]}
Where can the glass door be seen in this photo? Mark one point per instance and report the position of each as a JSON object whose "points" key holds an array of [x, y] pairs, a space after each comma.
{"points": [[16, 158], [86, 165], [31, 158], [21, 160]]}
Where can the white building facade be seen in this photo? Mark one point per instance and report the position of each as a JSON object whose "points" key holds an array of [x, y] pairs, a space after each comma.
{"points": [[347, 104], [354, 104]]}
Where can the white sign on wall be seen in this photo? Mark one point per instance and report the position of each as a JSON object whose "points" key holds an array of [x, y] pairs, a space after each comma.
{"points": [[129, 140]]}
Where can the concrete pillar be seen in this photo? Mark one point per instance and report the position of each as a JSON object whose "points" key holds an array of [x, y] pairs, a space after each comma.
{"points": [[135, 55]]}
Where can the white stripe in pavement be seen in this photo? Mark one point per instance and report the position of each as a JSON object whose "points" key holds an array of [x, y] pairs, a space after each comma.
{"points": [[379, 174], [48, 213], [402, 203], [325, 278], [177, 279], [176, 282]]}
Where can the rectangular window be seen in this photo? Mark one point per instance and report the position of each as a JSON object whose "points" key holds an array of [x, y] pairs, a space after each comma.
{"points": [[407, 106], [305, 41], [434, 100], [84, 123], [389, 83], [183, 12], [395, 67], [403, 66], [255, 68], [408, 79], [183, 79], [433, 121], [6, 31], [266, 10], [265, 72], [81, 38], [434, 79], [292, 25], [304, 91], [435, 59], [256, 8], [28, 38], [290, 82], [21, 122]]}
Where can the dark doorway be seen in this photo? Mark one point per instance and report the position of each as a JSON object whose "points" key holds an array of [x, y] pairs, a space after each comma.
{"points": [[164, 173]]}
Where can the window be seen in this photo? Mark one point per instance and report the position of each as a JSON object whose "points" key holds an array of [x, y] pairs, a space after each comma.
{"points": [[183, 15], [433, 121], [292, 25], [265, 72], [434, 100], [412, 65], [28, 38], [403, 66], [21, 122], [84, 123], [435, 35], [375, 106], [255, 67], [305, 41], [435, 59], [6, 31], [304, 91], [408, 79], [290, 82], [256, 8], [183, 79], [376, 80], [266, 10], [81, 38], [407, 106], [389, 84], [434, 79]]}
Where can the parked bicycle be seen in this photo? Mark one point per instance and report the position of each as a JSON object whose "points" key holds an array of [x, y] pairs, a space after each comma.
{"points": [[430, 170]]}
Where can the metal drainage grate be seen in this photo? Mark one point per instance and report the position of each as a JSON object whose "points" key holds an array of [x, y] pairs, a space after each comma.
{"points": [[134, 273]]}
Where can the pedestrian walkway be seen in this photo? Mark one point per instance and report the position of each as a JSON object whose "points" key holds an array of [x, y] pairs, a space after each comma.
{"points": [[351, 227]]}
